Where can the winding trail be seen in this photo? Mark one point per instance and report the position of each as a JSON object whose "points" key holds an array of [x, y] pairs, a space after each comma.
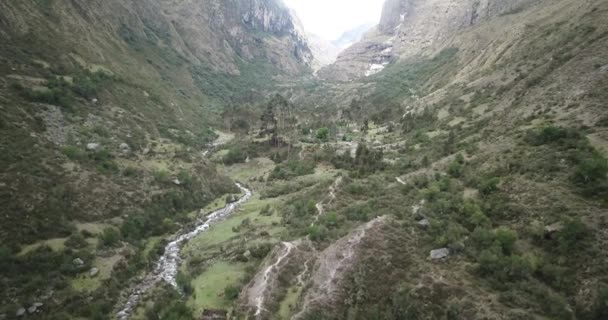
{"points": [[168, 265], [332, 197], [258, 291]]}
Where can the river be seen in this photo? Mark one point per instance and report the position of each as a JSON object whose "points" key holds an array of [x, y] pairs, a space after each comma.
{"points": [[168, 265]]}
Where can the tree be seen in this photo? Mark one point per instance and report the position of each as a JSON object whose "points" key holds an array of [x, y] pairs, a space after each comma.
{"points": [[323, 134], [109, 237], [448, 147], [365, 127], [269, 122]]}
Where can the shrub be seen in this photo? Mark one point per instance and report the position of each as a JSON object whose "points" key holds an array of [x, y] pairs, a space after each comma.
{"points": [[455, 169], [601, 306], [506, 238], [161, 176], [184, 283], [505, 268], [489, 185], [330, 220], [323, 134], [293, 168], [260, 251], [551, 134], [130, 172], [317, 233], [571, 237], [73, 153], [109, 237], [231, 292], [104, 160], [76, 241], [591, 175], [134, 227], [234, 155]]}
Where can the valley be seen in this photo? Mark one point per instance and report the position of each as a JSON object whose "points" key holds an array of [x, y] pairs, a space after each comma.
{"points": [[200, 159]]}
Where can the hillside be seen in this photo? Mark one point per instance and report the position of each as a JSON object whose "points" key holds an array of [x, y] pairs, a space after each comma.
{"points": [[105, 110], [450, 165]]}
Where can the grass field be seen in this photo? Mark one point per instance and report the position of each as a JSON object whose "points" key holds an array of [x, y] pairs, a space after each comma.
{"points": [[209, 286]]}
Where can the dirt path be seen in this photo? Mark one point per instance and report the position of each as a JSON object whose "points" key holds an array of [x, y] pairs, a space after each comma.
{"points": [[262, 282], [400, 181], [331, 264], [332, 196]]}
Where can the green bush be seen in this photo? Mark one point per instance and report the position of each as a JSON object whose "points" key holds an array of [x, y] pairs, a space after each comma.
{"points": [[489, 185], [161, 176], [76, 241], [552, 134], [110, 237], [235, 155], [231, 293], [571, 238], [73, 153], [591, 175], [601, 306], [506, 238], [293, 168], [323, 134], [500, 267], [317, 233], [104, 161]]}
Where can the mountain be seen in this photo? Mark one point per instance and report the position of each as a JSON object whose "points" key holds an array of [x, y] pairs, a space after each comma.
{"points": [[352, 36], [105, 108], [410, 28], [323, 51], [180, 160], [490, 122]]}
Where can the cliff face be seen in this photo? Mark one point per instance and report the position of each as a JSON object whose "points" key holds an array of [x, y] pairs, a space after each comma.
{"points": [[414, 27], [213, 31]]}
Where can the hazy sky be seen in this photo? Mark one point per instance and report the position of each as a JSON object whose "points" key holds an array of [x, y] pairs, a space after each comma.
{"points": [[330, 18]]}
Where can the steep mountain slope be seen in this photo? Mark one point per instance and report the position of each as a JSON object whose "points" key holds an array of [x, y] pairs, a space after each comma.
{"points": [[492, 147], [105, 108], [408, 28], [444, 167], [353, 36]]}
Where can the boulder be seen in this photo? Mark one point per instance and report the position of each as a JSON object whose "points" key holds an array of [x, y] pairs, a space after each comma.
{"points": [[78, 262], [424, 223], [552, 230], [32, 309], [20, 312], [440, 254], [177, 182], [94, 272], [124, 148], [93, 146]]}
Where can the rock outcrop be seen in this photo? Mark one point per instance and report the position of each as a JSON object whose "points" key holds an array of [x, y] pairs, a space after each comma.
{"points": [[414, 27]]}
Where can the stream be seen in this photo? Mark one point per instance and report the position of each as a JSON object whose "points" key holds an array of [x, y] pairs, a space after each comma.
{"points": [[168, 265]]}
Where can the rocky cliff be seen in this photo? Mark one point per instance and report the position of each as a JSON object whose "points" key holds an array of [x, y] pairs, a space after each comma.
{"points": [[413, 27]]}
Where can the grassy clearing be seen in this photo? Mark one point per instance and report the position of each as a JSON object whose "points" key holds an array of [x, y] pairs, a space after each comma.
{"points": [[209, 286], [94, 228], [223, 232], [246, 171], [86, 283], [55, 244], [289, 302]]}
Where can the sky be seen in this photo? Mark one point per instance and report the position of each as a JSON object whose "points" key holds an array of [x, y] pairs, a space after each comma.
{"points": [[330, 18]]}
